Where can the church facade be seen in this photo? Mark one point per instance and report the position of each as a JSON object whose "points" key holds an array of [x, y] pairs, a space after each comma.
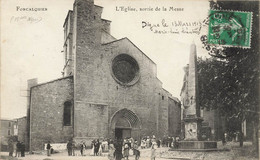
{"points": [[109, 88]]}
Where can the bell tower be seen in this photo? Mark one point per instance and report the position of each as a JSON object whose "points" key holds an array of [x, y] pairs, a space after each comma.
{"points": [[86, 49]]}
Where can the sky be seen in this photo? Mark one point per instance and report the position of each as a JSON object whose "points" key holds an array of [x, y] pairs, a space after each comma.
{"points": [[32, 41]]}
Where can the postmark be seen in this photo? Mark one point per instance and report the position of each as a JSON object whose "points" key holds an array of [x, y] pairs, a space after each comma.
{"points": [[230, 28]]}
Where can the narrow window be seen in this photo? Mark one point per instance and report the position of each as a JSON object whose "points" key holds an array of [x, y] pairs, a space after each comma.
{"points": [[9, 133], [9, 124], [67, 113]]}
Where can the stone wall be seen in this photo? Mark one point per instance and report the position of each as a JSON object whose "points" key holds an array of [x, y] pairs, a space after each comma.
{"points": [[106, 37], [174, 115], [93, 119], [163, 110], [106, 25], [46, 112]]}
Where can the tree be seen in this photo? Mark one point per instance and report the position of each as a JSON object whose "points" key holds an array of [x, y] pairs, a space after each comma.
{"points": [[230, 80], [222, 86]]}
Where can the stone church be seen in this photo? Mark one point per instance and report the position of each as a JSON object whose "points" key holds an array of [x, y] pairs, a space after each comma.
{"points": [[109, 88]]}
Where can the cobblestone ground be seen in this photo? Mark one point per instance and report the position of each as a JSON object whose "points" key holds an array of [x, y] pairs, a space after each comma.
{"points": [[234, 153]]}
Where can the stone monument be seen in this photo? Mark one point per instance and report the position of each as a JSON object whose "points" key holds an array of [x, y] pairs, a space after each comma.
{"points": [[192, 119]]}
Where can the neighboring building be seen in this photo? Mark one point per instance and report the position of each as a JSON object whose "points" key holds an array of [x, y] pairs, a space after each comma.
{"points": [[110, 88], [15, 129], [23, 131], [8, 130]]}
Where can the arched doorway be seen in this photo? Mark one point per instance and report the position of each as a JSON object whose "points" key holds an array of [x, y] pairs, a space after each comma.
{"points": [[125, 123]]}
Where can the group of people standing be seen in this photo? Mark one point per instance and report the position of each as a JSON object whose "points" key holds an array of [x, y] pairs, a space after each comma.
{"points": [[146, 142], [71, 146], [170, 141], [119, 149], [233, 136], [152, 143], [17, 148], [96, 148], [130, 143]]}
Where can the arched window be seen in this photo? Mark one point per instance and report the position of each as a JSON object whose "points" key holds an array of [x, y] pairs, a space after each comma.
{"points": [[67, 114]]}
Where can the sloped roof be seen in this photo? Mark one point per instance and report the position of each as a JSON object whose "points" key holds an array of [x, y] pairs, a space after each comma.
{"points": [[67, 77]]}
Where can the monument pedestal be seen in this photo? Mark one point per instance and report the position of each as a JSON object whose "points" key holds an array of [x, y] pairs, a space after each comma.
{"points": [[197, 146], [193, 136], [192, 127]]}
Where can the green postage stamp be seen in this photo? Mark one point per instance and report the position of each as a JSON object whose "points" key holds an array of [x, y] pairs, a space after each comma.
{"points": [[230, 28]]}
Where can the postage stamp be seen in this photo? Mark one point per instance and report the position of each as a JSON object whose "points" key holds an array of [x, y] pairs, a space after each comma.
{"points": [[230, 28]]}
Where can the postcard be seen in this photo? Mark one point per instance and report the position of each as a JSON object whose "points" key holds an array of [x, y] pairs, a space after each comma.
{"points": [[149, 79]]}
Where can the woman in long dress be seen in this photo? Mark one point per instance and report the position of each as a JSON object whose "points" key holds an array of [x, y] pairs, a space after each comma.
{"points": [[82, 149], [153, 150], [105, 145], [93, 148], [111, 151], [100, 150], [126, 150]]}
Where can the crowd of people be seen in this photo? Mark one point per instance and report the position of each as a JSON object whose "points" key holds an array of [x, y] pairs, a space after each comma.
{"points": [[16, 148], [117, 149]]}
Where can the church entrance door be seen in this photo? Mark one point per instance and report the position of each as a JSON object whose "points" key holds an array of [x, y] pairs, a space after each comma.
{"points": [[121, 133], [125, 124], [122, 128]]}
